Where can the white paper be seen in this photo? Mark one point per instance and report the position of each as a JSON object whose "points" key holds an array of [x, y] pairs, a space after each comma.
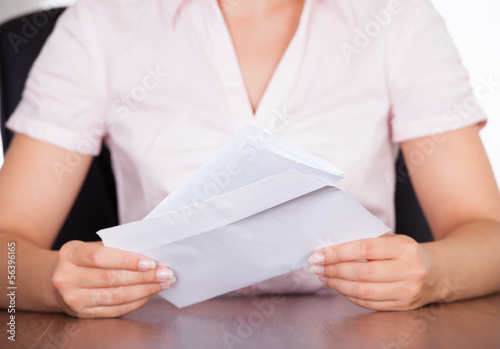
{"points": [[256, 210]]}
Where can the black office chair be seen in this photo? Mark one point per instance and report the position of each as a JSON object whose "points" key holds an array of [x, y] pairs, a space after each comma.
{"points": [[96, 206]]}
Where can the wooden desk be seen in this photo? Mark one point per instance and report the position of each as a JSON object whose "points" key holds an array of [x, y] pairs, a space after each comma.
{"points": [[290, 322]]}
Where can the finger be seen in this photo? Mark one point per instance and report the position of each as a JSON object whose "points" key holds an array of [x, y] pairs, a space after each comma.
{"points": [[114, 310], [123, 294], [372, 271], [366, 249], [97, 256], [95, 278], [365, 290], [375, 305]]}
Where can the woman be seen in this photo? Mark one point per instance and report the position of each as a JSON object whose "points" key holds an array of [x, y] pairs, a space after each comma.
{"points": [[166, 82]]}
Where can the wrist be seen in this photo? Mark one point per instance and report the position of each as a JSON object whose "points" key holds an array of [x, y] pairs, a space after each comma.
{"points": [[51, 297], [436, 289]]}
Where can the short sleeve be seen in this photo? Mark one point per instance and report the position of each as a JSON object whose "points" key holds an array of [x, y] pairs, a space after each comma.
{"points": [[63, 102], [428, 85]]}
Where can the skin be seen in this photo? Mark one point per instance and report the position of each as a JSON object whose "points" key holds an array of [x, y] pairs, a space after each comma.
{"points": [[82, 279], [455, 186], [461, 201]]}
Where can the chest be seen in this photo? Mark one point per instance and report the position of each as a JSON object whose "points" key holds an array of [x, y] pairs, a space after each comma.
{"points": [[204, 81], [259, 43]]}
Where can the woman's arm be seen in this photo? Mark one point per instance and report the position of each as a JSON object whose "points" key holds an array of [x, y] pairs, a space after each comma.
{"points": [[38, 185], [461, 201]]}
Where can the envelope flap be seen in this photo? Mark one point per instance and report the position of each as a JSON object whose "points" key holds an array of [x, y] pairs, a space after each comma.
{"points": [[213, 213], [249, 157]]}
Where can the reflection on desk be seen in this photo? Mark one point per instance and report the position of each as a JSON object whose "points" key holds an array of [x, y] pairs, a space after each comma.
{"points": [[290, 321]]}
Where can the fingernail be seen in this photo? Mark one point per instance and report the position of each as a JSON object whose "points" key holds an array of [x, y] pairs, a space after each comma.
{"points": [[168, 283], [146, 264], [164, 274], [317, 269], [317, 258], [323, 279]]}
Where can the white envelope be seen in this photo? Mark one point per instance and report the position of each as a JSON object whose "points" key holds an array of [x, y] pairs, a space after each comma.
{"points": [[256, 210]]}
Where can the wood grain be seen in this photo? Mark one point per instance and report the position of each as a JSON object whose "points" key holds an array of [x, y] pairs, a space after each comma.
{"points": [[263, 322]]}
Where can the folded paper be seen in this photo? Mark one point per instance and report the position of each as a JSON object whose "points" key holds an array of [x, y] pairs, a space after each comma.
{"points": [[256, 210]]}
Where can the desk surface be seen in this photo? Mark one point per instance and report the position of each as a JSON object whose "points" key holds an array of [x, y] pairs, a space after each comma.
{"points": [[265, 322]]}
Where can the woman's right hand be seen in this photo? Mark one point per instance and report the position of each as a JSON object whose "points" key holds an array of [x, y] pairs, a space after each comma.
{"points": [[93, 281]]}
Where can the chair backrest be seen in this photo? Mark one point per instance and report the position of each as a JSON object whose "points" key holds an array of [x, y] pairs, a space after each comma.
{"points": [[21, 40], [410, 219], [96, 206]]}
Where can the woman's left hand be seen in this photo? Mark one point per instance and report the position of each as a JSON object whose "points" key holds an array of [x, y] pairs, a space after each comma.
{"points": [[391, 272]]}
